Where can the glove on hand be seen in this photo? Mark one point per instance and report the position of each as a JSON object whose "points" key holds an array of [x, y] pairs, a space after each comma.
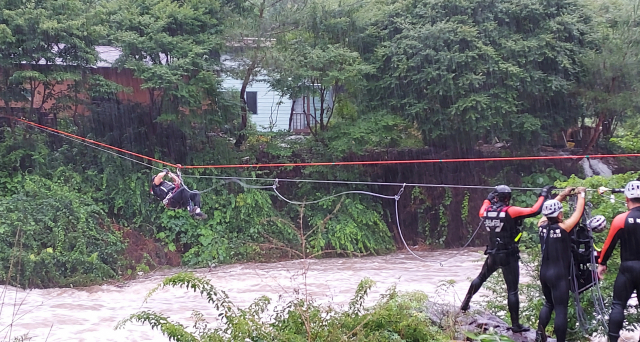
{"points": [[546, 191], [492, 195]]}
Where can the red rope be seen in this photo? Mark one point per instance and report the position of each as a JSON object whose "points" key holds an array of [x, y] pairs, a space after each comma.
{"points": [[335, 163], [415, 161], [94, 142]]}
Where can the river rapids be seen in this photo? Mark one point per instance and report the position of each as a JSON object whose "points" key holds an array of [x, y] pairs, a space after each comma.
{"points": [[91, 313]]}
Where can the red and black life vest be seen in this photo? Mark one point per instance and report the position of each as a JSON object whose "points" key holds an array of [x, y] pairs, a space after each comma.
{"points": [[502, 229]]}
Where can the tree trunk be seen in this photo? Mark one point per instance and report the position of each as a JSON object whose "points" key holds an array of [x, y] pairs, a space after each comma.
{"points": [[312, 101], [312, 130], [150, 129], [243, 108], [596, 134], [243, 92], [322, 94], [293, 106], [10, 113], [334, 100], [601, 118], [74, 116], [32, 102]]}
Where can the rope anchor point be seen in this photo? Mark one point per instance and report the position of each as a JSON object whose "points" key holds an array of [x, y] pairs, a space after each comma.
{"points": [[397, 197]]}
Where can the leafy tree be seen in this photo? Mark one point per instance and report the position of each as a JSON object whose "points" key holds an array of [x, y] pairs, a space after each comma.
{"points": [[174, 48], [628, 143], [44, 49], [368, 131], [610, 88], [315, 61], [251, 34], [468, 70]]}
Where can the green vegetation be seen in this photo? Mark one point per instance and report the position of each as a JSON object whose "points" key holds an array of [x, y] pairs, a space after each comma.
{"points": [[395, 317], [55, 236], [464, 71], [388, 79], [65, 216]]}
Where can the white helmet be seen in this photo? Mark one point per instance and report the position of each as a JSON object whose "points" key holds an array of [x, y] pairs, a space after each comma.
{"points": [[632, 190], [551, 208], [597, 223]]}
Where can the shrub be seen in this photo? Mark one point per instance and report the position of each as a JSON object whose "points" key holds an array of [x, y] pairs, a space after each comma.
{"points": [[395, 317], [52, 235]]}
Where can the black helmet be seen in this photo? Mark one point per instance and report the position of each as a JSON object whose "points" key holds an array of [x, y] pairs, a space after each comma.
{"points": [[503, 193]]}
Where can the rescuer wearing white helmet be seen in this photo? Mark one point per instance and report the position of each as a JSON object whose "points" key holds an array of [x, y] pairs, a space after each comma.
{"points": [[555, 263], [626, 229], [597, 224]]}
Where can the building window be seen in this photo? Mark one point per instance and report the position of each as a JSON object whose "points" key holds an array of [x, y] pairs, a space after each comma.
{"points": [[251, 97]]}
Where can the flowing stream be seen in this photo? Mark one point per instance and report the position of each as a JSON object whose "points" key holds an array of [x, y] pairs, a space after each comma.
{"points": [[91, 313]]}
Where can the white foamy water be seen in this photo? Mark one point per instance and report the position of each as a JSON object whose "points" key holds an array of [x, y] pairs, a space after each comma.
{"points": [[90, 314]]}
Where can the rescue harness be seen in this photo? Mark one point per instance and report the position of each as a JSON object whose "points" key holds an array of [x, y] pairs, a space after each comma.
{"points": [[176, 187]]}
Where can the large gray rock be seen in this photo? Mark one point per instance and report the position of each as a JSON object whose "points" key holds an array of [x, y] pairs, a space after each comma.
{"points": [[449, 317], [483, 322]]}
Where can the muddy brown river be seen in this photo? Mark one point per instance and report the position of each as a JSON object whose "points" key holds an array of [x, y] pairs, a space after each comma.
{"points": [[90, 314]]}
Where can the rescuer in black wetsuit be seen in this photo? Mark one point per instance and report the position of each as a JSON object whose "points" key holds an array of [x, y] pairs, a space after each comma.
{"points": [[501, 220], [175, 195], [626, 229], [555, 267]]}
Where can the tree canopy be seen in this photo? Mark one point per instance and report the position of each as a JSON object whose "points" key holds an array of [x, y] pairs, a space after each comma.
{"points": [[465, 71]]}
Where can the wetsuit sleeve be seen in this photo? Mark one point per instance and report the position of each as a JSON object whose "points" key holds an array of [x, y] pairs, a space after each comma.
{"points": [[612, 239], [484, 208], [572, 221], [517, 212]]}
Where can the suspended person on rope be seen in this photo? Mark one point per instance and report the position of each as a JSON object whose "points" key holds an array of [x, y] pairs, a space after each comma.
{"points": [[626, 229], [555, 267], [176, 195], [502, 221]]}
